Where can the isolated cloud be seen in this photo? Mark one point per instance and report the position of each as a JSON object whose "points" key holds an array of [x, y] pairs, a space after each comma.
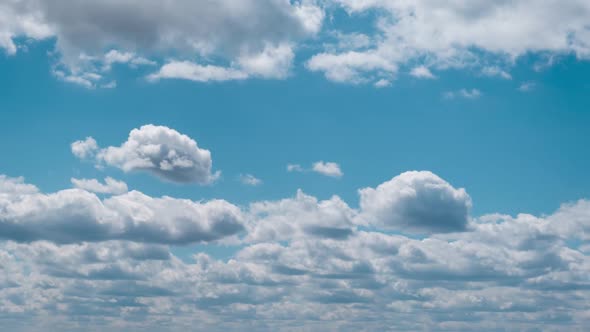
{"points": [[328, 169], [111, 186], [463, 93], [250, 180], [159, 150], [75, 215], [416, 202]]}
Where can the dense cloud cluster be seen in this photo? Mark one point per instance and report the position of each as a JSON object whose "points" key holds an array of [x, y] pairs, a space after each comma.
{"points": [[72, 260], [234, 40]]}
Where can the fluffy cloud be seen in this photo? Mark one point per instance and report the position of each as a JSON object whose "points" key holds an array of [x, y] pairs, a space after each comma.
{"points": [[75, 215], [474, 34], [303, 262], [111, 186], [255, 35], [159, 150], [328, 169], [416, 202], [84, 148]]}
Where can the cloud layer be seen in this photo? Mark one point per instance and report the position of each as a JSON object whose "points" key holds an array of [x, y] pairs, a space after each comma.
{"points": [[75, 260], [207, 41]]}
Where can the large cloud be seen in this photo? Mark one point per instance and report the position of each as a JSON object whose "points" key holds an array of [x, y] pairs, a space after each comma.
{"points": [[524, 272], [156, 149], [75, 215], [416, 202], [252, 37], [436, 34]]}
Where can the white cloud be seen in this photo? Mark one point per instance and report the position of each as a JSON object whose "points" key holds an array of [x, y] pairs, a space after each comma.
{"points": [[294, 168], [495, 71], [481, 34], [382, 83], [76, 215], [84, 148], [527, 86], [250, 180], [252, 32], [159, 150], [328, 169], [195, 72], [416, 202], [422, 72], [303, 262], [463, 93], [111, 186]]}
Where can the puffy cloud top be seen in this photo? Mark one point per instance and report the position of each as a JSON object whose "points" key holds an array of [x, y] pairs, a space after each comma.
{"points": [[416, 202], [159, 150]]}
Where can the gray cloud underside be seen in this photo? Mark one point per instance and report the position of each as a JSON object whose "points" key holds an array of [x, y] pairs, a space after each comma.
{"points": [[301, 262]]}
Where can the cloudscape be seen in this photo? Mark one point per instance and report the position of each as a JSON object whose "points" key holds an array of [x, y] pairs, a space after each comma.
{"points": [[281, 165]]}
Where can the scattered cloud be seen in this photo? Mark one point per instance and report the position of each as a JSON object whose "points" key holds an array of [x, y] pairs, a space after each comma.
{"points": [[496, 71], [463, 93], [249, 180], [84, 148], [422, 72], [328, 169], [527, 86]]}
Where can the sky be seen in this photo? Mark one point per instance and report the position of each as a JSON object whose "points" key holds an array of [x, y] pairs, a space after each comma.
{"points": [[333, 165]]}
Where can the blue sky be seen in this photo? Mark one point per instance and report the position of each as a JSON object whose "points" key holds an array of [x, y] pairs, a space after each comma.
{"points": [[424, 136]]}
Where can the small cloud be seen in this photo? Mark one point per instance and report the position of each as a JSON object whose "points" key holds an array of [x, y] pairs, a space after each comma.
{"points": [[422, 72], [294, 168], [84, 148], [527, 86], [328, 169], [463, 93], [382, 83], [496, 71], [249, 180]]}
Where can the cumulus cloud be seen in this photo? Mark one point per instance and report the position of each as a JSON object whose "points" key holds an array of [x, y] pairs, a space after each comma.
{"points": [[328, 169], [422, 72], [76, 215], [480, 34], [111, 186], [255, 35], [84, 148], [416, 202], [159, 150], [303, 262]]}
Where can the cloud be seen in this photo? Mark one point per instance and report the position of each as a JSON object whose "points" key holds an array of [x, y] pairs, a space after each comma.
{"points": [[84, 148], [159, 150], [527, 86], [422, 72], [111, 186], [495, 71], [481, 34], [302, 262], [250, 180], [416, 202], [328, 169], [463, 93], [76, 215], [90, 38]]}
